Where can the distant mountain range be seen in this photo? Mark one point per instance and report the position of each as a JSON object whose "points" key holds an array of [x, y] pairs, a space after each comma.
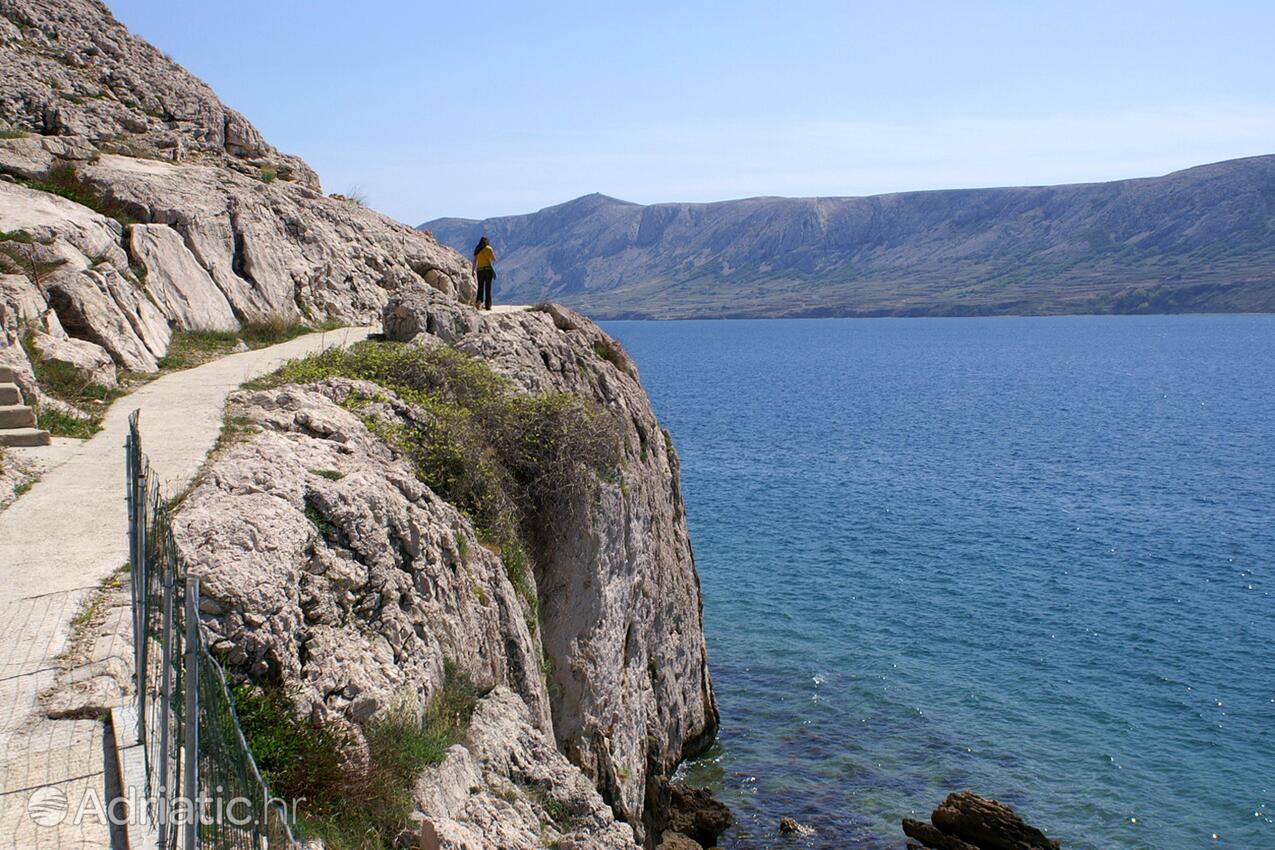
{"points": [[1198, 240]]}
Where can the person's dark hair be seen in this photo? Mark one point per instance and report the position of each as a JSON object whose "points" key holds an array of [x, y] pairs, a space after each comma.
{"points": [[482, 243]]}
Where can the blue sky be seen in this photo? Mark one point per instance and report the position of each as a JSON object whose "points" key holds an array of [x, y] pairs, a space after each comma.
{"points": [[495, 108]]}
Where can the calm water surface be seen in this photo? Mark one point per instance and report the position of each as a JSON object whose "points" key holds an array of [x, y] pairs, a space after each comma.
{"points": [[1030, 557]]}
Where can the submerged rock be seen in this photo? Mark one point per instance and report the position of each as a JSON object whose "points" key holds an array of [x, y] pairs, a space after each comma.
{"points": [[966, 821]]}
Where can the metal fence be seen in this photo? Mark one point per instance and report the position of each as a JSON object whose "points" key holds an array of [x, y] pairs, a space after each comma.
{"points": [[202, 786]]}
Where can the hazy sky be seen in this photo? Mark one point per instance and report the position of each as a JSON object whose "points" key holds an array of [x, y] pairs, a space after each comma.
{"points": [[495, 108]]}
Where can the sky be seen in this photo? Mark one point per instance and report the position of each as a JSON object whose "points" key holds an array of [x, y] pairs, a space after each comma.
{"points": [[482, 109]]}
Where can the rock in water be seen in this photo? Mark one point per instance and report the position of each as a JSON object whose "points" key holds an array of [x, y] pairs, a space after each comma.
{"points": [[789, 825], [966, 821]]}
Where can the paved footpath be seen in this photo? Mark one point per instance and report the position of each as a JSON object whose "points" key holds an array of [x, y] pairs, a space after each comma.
{"points": [[57, 543]]}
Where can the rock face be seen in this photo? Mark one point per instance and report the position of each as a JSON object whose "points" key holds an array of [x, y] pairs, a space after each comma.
{"points": [[1197, 240], [620, 606], [331, 570], [71, 69], [200, 224], [966, 821], [508, 786]]}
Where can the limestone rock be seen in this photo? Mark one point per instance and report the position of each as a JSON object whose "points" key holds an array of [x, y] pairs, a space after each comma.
{"points": [[327, 567], [230, 229], [185, 292], [70, 69], [508, 786], [620, 600], [91, 360], [86, 305], [687, 810], [671, 840], [966, 821]]}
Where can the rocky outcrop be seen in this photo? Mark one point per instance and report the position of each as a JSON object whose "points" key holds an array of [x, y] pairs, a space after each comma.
{"points": [[71, 69], [690, 813], [966, 821], [330, 570], [508, 786], [620, 607], [177, 215]]}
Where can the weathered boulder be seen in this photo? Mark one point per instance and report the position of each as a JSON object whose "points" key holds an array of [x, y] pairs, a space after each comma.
{"points": [[87, 307], [686, 810], [328, 568], [620, 606], [966, 821], [91, 360], [182, 288], [508, 786], [670, 840]]}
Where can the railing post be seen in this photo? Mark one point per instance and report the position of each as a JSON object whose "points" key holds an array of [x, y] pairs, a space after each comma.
{"points": [[191, 763], [165, 713]]}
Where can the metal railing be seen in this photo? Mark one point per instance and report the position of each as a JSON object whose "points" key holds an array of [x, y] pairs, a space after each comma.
{"points": [[202, 787]]}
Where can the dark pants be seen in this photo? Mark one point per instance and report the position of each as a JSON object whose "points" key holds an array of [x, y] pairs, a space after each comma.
{"points": [[485, 277]]}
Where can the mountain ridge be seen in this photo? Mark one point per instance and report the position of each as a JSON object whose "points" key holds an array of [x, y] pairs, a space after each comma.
{"points": [[1201, 239]]}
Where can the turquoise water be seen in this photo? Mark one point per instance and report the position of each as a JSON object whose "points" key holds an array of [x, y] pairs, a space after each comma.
{"points": [[1034, 558]]}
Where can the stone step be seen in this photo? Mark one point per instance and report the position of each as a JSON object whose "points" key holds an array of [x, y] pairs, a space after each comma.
{"points": [[16, 416], [10, 394], [24, 437], [7, 376]]}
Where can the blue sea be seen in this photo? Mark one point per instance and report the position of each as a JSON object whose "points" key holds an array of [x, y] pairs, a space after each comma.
{"points": [[1030, 557]]}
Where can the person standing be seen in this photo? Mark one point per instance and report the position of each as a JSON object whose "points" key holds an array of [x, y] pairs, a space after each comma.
{"points": [[484, 271]]}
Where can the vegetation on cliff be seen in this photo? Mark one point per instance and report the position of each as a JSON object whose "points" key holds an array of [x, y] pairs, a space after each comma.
{"points": [[506, 459], [352, 802]]}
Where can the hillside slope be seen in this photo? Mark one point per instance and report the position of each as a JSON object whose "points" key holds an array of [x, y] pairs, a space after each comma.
{"points": [[1198, 240]]}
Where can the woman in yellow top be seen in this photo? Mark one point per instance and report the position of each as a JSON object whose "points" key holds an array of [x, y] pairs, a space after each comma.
{"points": [[484, 272]]}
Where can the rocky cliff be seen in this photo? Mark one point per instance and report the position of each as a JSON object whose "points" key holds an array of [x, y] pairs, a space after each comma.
{"points": [[1198, 240], [134, 203], [333, 571]]}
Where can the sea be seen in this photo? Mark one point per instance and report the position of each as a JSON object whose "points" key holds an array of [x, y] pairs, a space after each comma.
{"points": [[1029, 557]]}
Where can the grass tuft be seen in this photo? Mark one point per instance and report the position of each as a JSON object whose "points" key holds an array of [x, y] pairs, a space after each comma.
{"points": [[71, 385], [64, 180], [349, 803], [195, 348]]}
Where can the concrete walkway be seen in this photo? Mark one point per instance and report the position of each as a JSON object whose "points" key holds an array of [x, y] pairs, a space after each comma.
{"points": [[58, 542]]}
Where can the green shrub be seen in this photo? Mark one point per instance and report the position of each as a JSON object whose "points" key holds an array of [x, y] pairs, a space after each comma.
{"points": [[268, 175], [193, 348], [611, 354], [349, 803], [11, 133]]}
